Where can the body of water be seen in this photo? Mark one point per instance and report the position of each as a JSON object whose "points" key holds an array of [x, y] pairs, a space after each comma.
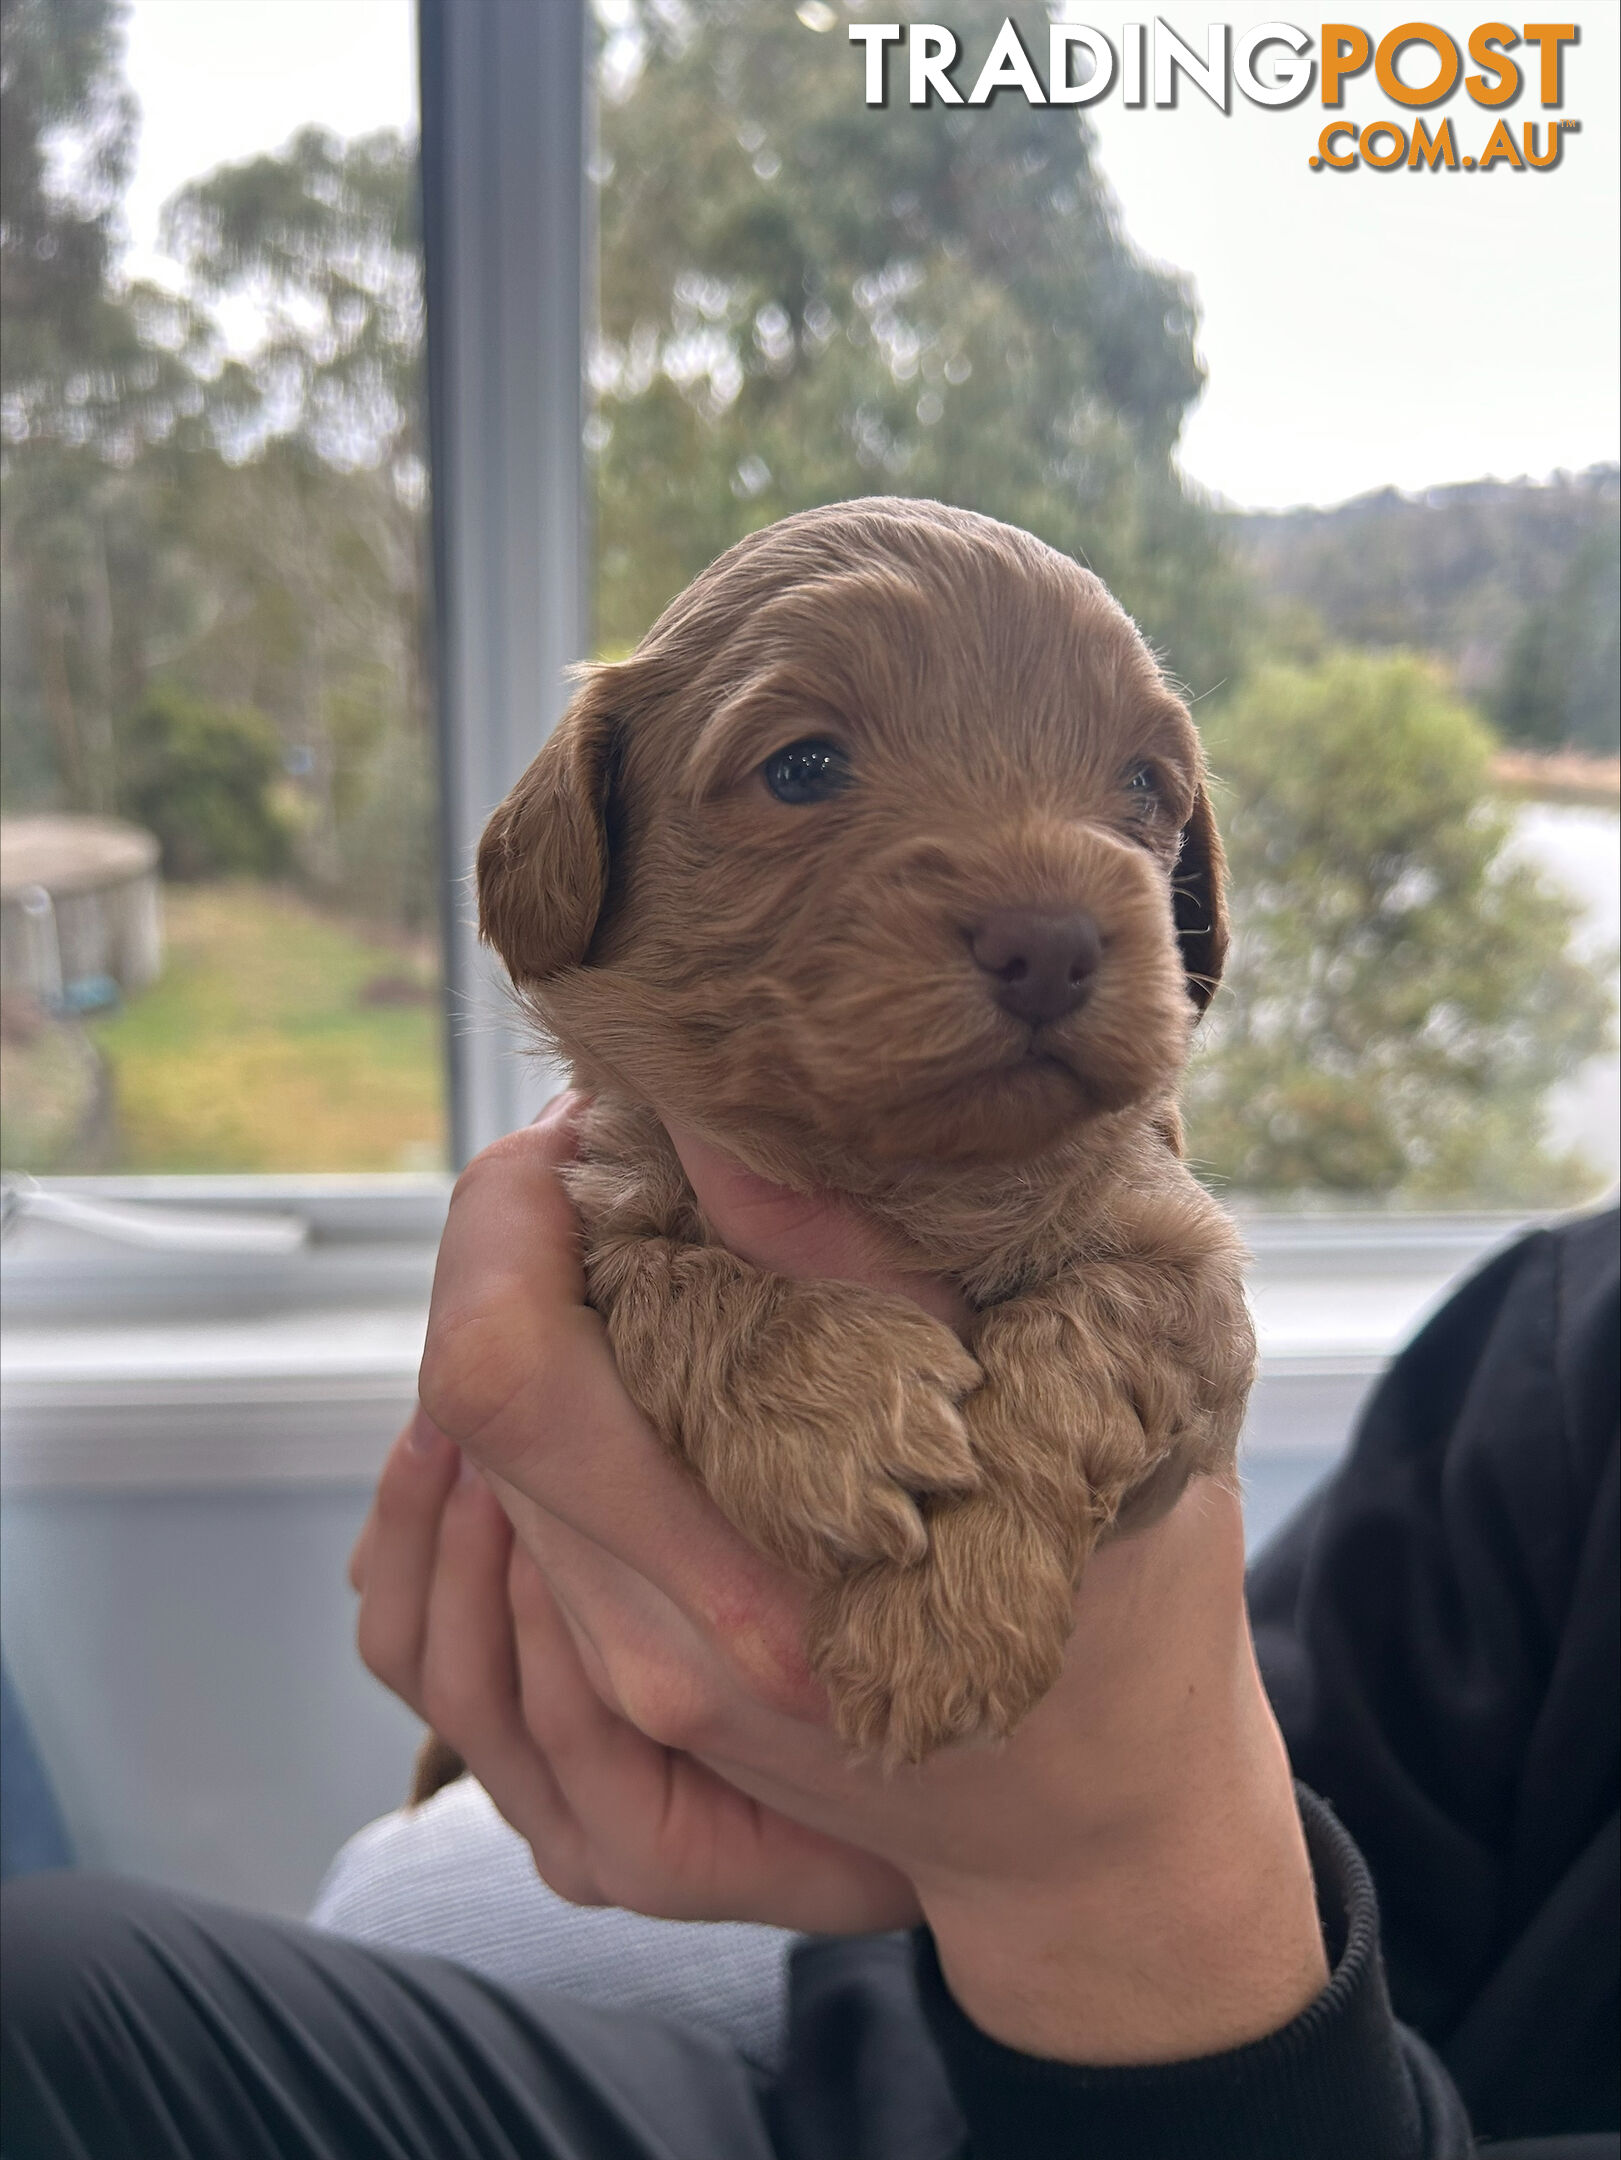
{"points": [[1580, 848]]}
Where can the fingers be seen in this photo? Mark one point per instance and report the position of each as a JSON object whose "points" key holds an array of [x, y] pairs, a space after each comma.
{"points": [[560, 1117], [520, 1374], [435, 1627], [607, 1773], [509, 1258], [661, 1833], [470, 1687], [642, 1661], [393, 1561], [806, 1235], [458, 1621], [469, 1684]]}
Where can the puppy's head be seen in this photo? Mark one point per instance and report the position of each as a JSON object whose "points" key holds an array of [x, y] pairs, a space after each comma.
{"points": [[889, 842]]}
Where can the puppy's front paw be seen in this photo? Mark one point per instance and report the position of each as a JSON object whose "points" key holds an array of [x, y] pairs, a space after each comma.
{"points": [[846, 1415], [956, 1649]]}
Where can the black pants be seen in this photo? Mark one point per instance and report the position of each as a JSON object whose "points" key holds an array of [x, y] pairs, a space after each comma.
{"points": [[148, 2027], [145, 2026]]}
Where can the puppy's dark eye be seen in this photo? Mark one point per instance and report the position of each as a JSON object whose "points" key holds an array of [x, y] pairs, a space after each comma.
{"points": [[807, 772], [1143, 791]]}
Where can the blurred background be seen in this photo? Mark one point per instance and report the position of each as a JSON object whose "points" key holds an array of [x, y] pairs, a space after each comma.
{"points": [[1345, 445]]}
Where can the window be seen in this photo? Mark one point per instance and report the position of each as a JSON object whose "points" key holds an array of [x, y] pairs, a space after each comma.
{"points": [[218, 577], [219, 549], [221, 852]]}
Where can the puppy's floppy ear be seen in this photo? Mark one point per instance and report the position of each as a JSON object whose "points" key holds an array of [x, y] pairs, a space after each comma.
{"points": [[543, 860], [1199, 888]]}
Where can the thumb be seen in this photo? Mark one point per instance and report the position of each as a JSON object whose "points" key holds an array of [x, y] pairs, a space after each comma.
{"points": [[807, 1235]]}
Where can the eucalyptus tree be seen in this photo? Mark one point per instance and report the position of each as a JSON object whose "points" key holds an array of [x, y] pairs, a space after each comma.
{"points": [[86, 390], [302, 275], [804, 298]]}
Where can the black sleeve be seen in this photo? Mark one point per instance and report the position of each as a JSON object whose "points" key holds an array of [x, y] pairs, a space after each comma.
{"points": [[1438, 1631], [1342, 2082]]}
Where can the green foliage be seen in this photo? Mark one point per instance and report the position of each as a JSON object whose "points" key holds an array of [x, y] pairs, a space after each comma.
{"points": [[1513, 584], [87, 392], [261, 539], [1401, 994], [323, 238], [67, 126], [200, 776], [1561, 680], [804, 299]]}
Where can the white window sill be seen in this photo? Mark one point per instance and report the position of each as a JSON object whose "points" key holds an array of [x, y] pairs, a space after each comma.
{"points": [[129, 1370]]}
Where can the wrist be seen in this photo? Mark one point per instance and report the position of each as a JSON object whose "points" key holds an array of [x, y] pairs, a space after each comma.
{"points": [[1184, 1936]]}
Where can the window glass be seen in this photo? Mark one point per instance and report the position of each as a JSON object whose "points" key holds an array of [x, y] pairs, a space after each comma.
{"points": [[221, 892], [214, 553], [1409, 696]]}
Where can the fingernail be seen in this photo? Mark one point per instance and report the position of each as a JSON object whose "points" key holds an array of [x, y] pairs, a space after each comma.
{"points": [[467, 1471]]}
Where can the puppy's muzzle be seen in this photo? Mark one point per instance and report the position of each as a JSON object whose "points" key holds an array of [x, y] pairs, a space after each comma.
{"points": [[1041, 966]]}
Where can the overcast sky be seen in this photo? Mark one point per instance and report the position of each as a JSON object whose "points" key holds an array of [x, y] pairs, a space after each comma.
{"points": [[1361, 329]]}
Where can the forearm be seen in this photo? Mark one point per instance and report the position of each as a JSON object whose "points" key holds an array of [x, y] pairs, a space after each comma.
{"points": [[1185, 1925], [1337, 2078]]}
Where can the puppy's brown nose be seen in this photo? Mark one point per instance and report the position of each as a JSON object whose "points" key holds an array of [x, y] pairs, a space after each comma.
{"points": [[1042, 964]]}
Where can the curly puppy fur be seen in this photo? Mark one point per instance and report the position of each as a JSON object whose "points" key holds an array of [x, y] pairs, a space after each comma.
{"points": [[800, 983]]}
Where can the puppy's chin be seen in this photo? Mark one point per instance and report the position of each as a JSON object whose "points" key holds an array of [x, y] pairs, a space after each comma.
{"points": [[1009, 1115]]}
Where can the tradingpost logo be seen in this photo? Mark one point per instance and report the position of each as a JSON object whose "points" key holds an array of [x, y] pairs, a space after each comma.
{"points": [[1277, 65]]}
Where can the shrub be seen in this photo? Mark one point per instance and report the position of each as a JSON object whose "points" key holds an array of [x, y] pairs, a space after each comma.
{"points": [[199, 776], [1401, 993]]}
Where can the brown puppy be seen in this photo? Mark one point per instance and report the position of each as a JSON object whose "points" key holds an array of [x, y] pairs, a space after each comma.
{"points": [[886, 862]]}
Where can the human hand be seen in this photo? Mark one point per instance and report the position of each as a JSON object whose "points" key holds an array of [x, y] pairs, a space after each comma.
{"points": [[459, 1621], [1123, 1880]]}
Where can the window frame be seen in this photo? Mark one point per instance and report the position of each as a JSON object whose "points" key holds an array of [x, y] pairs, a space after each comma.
{"points": [[504, 102]]}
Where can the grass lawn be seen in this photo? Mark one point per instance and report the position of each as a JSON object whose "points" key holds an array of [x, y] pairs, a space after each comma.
{"points": [[278, 1038]]}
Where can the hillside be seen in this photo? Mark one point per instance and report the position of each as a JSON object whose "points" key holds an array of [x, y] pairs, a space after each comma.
{"points": [[1516, 584]]}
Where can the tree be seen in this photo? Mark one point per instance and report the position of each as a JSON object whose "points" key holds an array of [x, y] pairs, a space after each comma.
{"points": [[64, 347], [248, 531], [1401, 994], [1561, 679], [200, 776], [322, 430], [67, 127], [323, 240], [1512, 585], [803, 299], [87, 389]]}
